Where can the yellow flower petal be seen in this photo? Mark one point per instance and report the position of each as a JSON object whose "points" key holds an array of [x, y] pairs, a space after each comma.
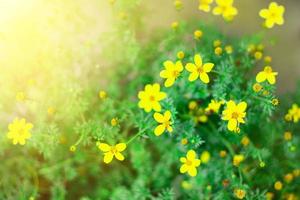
{"points": [[158, 117], [159, 130], [198, 60], [271, 79], [121, 147], [261, 77], [264, 13], [169, 82], [193, 76], [191, 67], [242, 106], [192, 171], [207, 67], [183, 168], [108, 157], [232, 124], [167, 115], [191, 155], [104, 147], [204, 77], [119, 156], [179, 66]]}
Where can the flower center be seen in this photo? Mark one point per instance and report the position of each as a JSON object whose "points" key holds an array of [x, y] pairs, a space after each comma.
{"points": [[175, 73], [152, 98], [113, 150], [188, 162], [200, 70], [235, 115], [167, 123]]}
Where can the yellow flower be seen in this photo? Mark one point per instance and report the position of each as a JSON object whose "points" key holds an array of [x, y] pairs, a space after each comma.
{"points": [[228, 49], [178, 4], [186, 185], [20, 96], [258, 55], [262, 164], [72, 148], [273, 15], [225, 8], [257, 87], [267, 74], [114, 121], [204, 5], [112, 151], [275, 102], [174, 25], [150, 97], [214, 106], [293, 113], [296, 172], [217, 43], [237, 159], [205, 157], [199, 70], [180, 55], [164, 123], [171, 72], [288, 177], [239, 193], [184, 141], [19, 131], [218, 51], [245, 141], [102, 94], [223, 153], [190, 163], [268, 59], [278, 185], [234, 114], [198, 34], [269, 196], [192, 105]]}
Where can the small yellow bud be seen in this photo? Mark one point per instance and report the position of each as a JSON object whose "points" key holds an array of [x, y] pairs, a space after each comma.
{"points": [[288, 117], [186, 185], [223, 153], [217, 43], [205, 157], [102, 94], [258, 55], [180, 55], [287, 135], [268, 59], [50, 111], [239, 193], [266, 92], [237, 159], [275, 102], [296, 172], [193, 105], [269, 196], [257, 87], [73, 148], [228, 49], [260, 47], [184, 141], [288, 177], [278, 185], [262, 164], [245, 141], [218, 51], [114, 121], [178, 4], [198, 34], [175, 25]]}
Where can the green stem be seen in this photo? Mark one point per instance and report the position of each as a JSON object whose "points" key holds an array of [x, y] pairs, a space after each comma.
{"points": [[135, 136]]}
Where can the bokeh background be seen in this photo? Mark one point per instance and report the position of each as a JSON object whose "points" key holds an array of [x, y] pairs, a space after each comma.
{"points": [[34, 32]]}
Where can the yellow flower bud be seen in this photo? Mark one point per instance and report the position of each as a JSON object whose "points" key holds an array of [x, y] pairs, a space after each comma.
{"points": [[228, 49], [278, 185], [114, 121], [198, 34], [205, 157], [287, 135], [257, 87], [180, 55], [223, 153], [73, 148], [184, 141], [193, 105], [102, 94], [245, 141], [258, 55], [217, 43], [218, 51], [288, 177]]}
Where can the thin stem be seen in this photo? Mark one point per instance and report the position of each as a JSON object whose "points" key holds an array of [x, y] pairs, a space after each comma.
{"points": [[136, 135]]}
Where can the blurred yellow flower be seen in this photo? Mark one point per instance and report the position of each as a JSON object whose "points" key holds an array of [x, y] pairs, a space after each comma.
{"points": [[204, 5], [20, 96], [175, 25], [217, 43], [180, 55], [269, 196], [171, 72], [199, 70], [267, 74], [72, 148], [278, 185], [228, 49], [218, 51], [245, 141], [214, 106], [268, 59], [114, 121], [258, 55], [184, 141], [234, 114], [164, 122], [186, 185], [288, 177], [205, 157], [190, 163], [239, 193], [178, 4], [193, 105], [287, 135], [198, 34], [222, 153], [19, 131], [293, 113], [237, 159], [112, 151], [150, 98], [273, 15], [50, 110], [257, 87], [102, 94], [275, 102], [226, 9]]}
